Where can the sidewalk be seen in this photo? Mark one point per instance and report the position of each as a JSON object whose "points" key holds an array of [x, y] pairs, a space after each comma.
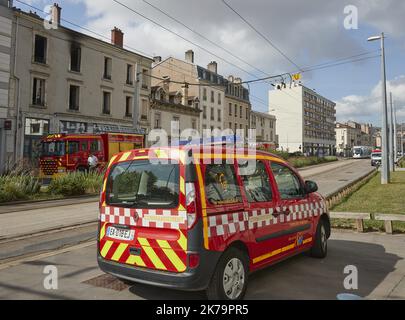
{"points": [[31, 205], [27, 222]]}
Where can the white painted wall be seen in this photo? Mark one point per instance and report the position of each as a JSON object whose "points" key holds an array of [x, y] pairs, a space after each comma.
{"points": [[288, 106]]}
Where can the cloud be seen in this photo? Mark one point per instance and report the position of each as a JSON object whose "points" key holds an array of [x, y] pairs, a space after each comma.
{"points": [[369, 108]]}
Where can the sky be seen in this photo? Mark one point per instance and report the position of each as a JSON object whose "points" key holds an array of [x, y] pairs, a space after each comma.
{"points": [[308, 33]]}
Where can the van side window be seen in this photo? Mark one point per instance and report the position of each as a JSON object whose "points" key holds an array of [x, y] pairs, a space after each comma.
{"points": [[289, 185], [221, 186], [256, 182]]}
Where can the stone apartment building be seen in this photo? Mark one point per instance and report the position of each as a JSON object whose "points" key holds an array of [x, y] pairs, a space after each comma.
{"points": [[174, 110], [6, 64], [265, 126], [63, 81], [205, 84], [305, 120], [237, 107]]}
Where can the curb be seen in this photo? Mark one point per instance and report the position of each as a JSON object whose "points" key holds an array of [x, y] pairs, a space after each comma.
{"points": [[336, 197], [16, 203]]}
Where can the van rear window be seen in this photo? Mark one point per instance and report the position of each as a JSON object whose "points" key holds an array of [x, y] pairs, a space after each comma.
{"points": [[140, 184]]}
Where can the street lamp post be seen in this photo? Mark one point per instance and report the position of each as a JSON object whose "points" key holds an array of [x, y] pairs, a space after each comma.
{"points": [[385, 174]]}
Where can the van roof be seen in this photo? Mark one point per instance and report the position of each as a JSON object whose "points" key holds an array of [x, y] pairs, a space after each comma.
{"points": [[179, 152]]}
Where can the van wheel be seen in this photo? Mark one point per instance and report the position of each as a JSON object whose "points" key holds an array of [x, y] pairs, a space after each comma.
{"points": [[320, 247], [230, 278]]}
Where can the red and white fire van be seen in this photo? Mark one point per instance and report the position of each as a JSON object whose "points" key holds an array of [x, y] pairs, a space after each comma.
{"points": [[192, 224]]}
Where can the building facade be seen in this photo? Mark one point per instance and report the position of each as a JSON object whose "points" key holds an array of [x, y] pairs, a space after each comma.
{"points": [[265, 126], [237, 107], [64, 81], [351, 134], [205, 84], [305, 120], [7, 142], [173, 110]]}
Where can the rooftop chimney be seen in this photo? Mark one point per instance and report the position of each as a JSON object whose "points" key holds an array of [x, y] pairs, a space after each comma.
{"points": [[190, 56], [117, 37], [213, 67], [184, 99], [56, 14]]}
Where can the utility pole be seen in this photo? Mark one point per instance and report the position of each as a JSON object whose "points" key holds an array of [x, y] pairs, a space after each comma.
{"points": [[385, 173], [391, 135], [135, 110]]}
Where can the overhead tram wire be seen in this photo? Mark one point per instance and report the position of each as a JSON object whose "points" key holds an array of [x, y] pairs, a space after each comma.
{"points": [[183, 38], [343, 59], [215, 44], [150, 55], [193, 43], [125, 46], [308, 69], [204, 37], [262, 35], [330, 65]]}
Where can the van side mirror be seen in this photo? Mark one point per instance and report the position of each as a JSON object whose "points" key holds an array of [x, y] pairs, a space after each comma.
{"points": [[311, 187]]}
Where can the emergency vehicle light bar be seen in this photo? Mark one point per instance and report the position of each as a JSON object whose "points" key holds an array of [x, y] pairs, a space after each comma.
{"points": [[223, 140]]}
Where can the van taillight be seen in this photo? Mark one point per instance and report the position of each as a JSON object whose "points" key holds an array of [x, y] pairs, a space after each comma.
{"points": [[193, 260], [191, 205]]}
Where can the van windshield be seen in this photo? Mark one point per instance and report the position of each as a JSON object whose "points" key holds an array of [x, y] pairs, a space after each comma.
{"points": [[140, 184]]}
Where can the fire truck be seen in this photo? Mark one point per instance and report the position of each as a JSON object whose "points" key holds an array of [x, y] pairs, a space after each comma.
{"points": [[62, 153]]}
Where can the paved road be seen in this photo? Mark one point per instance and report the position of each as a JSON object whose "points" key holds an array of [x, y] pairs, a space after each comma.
{"points": [[35, 218], [380, 260], [337, 177]]}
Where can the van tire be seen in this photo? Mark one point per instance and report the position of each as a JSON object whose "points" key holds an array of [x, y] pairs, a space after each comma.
{"points": [[231, 257], [320, 248]]}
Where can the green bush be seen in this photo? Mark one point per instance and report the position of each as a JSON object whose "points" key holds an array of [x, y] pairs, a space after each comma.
{"points": [[18, 187], [93, 182], [300, 162], [76, 184]]}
